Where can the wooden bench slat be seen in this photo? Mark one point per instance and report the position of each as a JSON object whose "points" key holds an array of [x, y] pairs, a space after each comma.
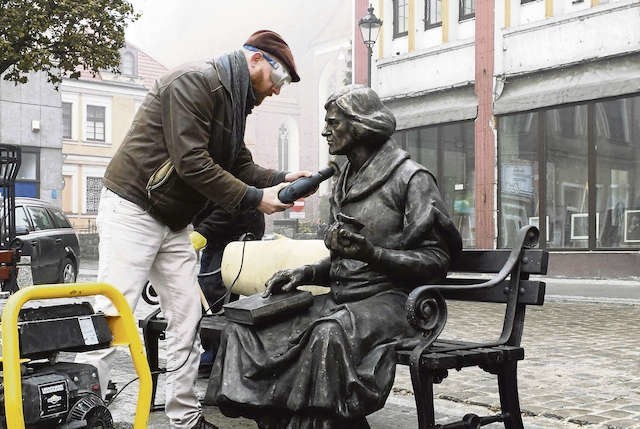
{"points": [[491, 261], [531, 292]]}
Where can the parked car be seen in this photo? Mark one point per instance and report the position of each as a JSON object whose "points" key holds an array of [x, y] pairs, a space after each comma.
{"points": [[50, 240]]}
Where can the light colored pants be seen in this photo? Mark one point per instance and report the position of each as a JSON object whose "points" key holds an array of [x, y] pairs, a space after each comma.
{"points": [[135, 247]]}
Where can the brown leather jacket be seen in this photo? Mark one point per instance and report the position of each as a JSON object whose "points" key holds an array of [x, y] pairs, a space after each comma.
{"points": [[178, 152]]}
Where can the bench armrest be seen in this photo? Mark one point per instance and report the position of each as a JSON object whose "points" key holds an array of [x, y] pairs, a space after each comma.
{"points": [[426, 305]]}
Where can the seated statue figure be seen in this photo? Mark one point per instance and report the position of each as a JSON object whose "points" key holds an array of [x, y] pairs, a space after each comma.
{"points": [[333, 364]]}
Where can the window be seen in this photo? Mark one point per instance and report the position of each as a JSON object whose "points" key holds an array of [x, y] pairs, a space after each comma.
{"points": [[41, 219], [22, 220], [283, 148], [448, 152], [66, 120], [94, 186], [59, 219], [432, 14], [578, 168], [95, 126], [28, 178], [467, 9], [400, 18], [128, 64]]}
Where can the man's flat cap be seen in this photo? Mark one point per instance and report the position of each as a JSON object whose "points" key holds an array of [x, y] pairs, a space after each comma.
{"points": [[271, 42]]}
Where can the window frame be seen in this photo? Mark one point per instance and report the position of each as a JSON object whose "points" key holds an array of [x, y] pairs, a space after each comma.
{"points": [[67, 120], [461, 15], [129, 54], [92, 118], [47, 216], [593, 158], [35, 181], [98, 101], [428, 24], [396, 21]]}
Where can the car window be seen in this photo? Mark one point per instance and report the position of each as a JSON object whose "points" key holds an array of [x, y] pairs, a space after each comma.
{"points": [[41, 219], [21, 218], [59, 218]]}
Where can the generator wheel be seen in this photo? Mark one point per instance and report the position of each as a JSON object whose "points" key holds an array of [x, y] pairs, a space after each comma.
{"points": [[149, 294], [99, 418], [91, 409]]}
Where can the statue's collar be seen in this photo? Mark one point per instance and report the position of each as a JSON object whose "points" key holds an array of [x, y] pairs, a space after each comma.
{"points": [[373, 174]]}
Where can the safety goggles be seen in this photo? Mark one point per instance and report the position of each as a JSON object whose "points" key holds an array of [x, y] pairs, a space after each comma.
{"points": [[279, 73]]}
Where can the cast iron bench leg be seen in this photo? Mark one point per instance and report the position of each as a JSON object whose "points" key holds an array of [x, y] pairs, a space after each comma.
{"points": [[423, 392], [509, 401]]}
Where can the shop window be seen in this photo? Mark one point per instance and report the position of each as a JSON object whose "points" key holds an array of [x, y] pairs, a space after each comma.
{"points": [[448, 152], [617, 149], [400, 18], [518, 175], [432, 14], [574, 171]]}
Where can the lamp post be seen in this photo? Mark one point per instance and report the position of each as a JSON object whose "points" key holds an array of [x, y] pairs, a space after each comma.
{"points": [[369, 27]]}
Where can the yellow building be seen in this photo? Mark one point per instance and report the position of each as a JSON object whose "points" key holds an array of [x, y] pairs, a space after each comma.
{"points": [[96, 114]]}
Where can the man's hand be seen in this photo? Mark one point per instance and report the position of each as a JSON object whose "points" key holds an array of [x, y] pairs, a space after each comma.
{"points": [[197, 240], [347, 244], [285, 281], [290, 177], [270, 202]]}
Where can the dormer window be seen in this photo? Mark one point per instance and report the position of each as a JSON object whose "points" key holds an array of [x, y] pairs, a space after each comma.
{"points": [[128, 64]]}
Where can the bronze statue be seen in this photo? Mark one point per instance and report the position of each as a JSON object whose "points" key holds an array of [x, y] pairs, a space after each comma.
{"points": [[333, 364]]}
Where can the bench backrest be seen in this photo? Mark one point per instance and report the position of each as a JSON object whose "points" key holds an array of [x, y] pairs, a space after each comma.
{"points": [[533, 261]]}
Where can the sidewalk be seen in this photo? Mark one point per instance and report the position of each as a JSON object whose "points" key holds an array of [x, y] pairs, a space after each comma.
{"points": [[582, 365]]}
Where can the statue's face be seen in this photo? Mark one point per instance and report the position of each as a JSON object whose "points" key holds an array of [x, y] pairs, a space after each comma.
{"points": [[338, 130]]}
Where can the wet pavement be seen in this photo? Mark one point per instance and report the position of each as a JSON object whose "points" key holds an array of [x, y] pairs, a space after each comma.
{"points": [[582, 365]]}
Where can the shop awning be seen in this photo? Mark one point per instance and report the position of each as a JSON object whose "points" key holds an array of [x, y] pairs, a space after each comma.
{"points": [[437, 107], [581, 82]]}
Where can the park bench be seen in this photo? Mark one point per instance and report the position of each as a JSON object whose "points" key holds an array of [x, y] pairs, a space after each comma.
{"points": [[430, 357]]}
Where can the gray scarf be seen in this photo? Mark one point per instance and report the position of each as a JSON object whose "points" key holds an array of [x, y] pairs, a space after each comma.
{"points": [[234, 75]]}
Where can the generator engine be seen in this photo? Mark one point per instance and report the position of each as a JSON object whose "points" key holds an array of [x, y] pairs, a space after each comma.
{"points": [[63, 395]]}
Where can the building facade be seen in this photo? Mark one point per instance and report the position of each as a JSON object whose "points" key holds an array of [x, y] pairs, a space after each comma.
{"points": [[527, 112], [30, 117], [96, 114]]}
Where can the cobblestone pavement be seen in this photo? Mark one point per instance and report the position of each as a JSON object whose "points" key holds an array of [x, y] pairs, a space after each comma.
{"points": [[582, 369], [582, 363]]}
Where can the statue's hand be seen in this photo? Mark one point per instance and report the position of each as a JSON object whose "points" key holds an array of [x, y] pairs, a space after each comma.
{"points": [[284, 281], [348, 244]]}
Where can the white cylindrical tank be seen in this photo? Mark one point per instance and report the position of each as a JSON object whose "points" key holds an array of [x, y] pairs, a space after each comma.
{"points": [[263, 258]]}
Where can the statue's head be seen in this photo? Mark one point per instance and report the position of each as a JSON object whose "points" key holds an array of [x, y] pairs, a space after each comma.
{"points": [[356, 116]]}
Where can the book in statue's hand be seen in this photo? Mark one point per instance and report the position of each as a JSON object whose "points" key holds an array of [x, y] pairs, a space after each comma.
{"points": [[258, 310]]}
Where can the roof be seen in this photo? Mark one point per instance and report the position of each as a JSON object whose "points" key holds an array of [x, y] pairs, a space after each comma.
{"points": [[148, 70]]}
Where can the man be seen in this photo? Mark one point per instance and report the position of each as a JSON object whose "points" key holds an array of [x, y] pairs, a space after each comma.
{"points": [[185, 146], [214, 228], [334, 363]]}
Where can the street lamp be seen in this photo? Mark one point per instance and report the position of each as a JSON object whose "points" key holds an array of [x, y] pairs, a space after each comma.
{"points": [[369, 27]]}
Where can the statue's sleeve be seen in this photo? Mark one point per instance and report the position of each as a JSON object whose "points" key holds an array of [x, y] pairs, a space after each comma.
{"points": [[430, 239]]}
